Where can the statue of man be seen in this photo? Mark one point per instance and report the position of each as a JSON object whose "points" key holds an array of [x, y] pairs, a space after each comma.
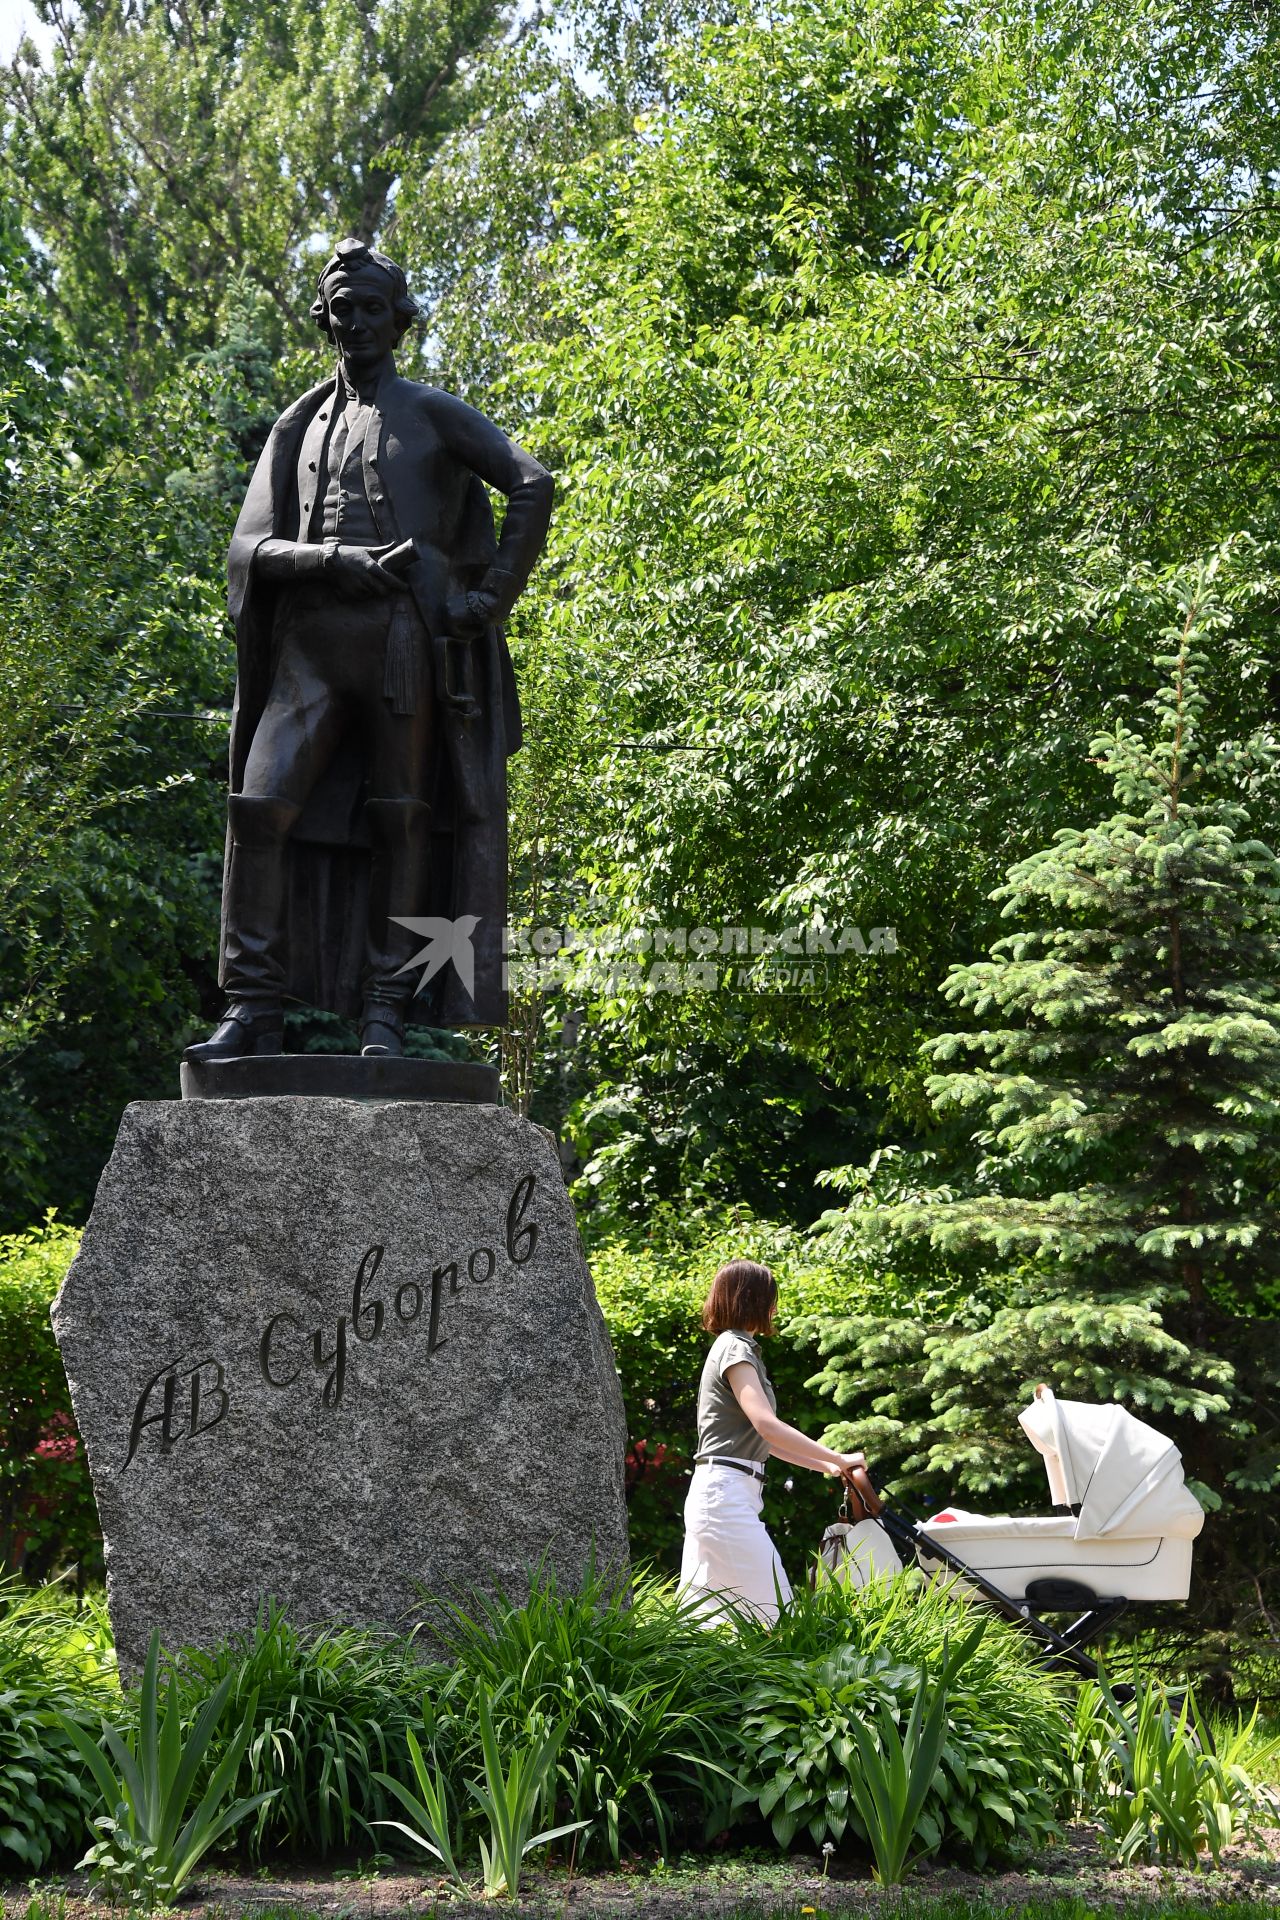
{"points": [[375, 701]]}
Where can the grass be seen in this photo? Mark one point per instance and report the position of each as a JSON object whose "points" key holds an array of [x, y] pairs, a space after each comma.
{"points": [[331, 1708], [1263, 1757]]}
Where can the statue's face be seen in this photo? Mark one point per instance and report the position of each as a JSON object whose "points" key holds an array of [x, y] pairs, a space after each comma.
{"points": [[362, 317]]}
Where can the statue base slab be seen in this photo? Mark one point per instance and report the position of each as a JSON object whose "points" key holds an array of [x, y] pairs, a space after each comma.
{"points": [[340, 1076], [340, 1354]]}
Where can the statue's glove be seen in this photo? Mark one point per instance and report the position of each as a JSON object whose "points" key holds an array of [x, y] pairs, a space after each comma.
{"points": [[358, 573], [469, 613]]}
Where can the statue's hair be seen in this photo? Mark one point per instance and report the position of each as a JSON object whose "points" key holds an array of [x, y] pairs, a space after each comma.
{"points": [[350, 256]]}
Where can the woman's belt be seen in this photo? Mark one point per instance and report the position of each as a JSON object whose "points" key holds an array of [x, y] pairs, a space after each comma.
{"points": [[720, 1460]]}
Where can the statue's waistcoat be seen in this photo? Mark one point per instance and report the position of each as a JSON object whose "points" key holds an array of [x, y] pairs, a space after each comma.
{"points": [[416, 488]]}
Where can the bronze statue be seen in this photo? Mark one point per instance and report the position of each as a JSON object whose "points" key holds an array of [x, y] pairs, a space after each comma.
{"points": [[375, 701]]}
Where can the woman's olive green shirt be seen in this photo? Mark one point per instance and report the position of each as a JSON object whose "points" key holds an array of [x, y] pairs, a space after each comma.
{"points": [[723, 1428]]}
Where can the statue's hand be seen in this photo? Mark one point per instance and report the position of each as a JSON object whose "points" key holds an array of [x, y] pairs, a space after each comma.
{"points": [[358, 574], [468, 613]]}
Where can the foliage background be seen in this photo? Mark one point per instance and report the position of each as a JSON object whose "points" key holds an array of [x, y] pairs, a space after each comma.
{"points": [[651, 1296], [893, 364], [47, 1517]]}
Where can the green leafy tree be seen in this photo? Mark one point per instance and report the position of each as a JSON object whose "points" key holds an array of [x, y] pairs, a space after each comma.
{"points": [[118, 666], [887, 364], [161, 151], [477, 216], [1124, 1064]]}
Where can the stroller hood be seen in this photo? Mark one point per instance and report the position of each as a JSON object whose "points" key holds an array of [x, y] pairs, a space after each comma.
{"points": [[1121, 1477]]}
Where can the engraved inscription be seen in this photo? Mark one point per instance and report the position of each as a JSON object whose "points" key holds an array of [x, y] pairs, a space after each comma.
{"points": [[179, 1415], [264, 1351], [182, 1403], [521, 1238], [372, 1310]]}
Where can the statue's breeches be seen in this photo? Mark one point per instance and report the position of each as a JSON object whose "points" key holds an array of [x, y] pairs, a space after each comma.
{"points": [[331, 659]]}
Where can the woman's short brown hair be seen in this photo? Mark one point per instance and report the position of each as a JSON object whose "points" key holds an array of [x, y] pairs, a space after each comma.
{"points": [[743, 1295]]}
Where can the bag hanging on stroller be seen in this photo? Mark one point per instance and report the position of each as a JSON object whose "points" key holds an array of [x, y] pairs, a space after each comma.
{"points": [[854, 1550]]}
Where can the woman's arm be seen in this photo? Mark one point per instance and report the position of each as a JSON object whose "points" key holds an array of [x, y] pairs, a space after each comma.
{"points": [[788, 1443]]}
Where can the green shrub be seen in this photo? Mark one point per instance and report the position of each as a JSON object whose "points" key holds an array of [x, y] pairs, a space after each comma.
{"points": [[645, 1700], [668, 1726], [47, 1517], [52, 1659], [331, 1709], [651, 1294], [648, 1702], [839, 1658]]}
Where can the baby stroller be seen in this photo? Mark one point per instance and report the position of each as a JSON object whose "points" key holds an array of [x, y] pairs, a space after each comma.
{"points": [[1124, 1533]]}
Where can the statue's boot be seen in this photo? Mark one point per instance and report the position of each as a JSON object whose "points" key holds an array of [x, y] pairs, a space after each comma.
{"points": [[253, 969], [401, 834], [243, 1029]]}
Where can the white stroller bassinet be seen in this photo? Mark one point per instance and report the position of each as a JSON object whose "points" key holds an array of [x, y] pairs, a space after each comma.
{"points": [[1129, 1524]]}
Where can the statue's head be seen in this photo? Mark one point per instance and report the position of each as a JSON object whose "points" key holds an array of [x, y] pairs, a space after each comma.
{"points": [[361, 287]]}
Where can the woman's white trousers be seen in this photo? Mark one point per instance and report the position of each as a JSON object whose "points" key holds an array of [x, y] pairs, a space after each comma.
{"points": [[728, 1555]]}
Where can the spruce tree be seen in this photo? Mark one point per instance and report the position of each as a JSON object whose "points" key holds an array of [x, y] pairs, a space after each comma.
{"points": [[1117, 1236]]}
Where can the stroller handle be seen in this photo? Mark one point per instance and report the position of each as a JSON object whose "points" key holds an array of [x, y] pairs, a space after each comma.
{"points": [[861, 1498]]}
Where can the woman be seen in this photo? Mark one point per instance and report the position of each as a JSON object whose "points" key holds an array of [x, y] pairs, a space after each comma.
{"points": [[728, 1555]]}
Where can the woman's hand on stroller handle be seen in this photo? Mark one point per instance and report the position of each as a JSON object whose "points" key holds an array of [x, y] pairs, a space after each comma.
{"points": [[845, 1462]]}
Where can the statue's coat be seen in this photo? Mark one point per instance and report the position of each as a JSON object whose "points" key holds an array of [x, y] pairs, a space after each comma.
{"points": [[411, 475]]}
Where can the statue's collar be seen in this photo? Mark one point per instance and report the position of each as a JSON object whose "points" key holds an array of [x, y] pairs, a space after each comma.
{"points": [[364, 390]]}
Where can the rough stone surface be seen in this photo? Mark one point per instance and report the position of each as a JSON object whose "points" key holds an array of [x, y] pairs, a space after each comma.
{"points": [[337, 1353]]}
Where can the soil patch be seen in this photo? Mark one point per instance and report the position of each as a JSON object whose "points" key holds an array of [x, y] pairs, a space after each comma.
{"points": [[748, 1885]]}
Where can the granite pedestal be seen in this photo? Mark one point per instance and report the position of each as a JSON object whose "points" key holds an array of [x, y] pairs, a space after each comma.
{"points": [[342, 1353]]}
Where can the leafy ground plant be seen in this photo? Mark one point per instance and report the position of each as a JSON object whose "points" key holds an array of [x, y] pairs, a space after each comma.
{"points": [[510, 1799], [55, 1661], [840, 1660], [1145, 1765], [648, 1700], [331, 1712], [895, 1771], [428, 1810], [148, 1849]]}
